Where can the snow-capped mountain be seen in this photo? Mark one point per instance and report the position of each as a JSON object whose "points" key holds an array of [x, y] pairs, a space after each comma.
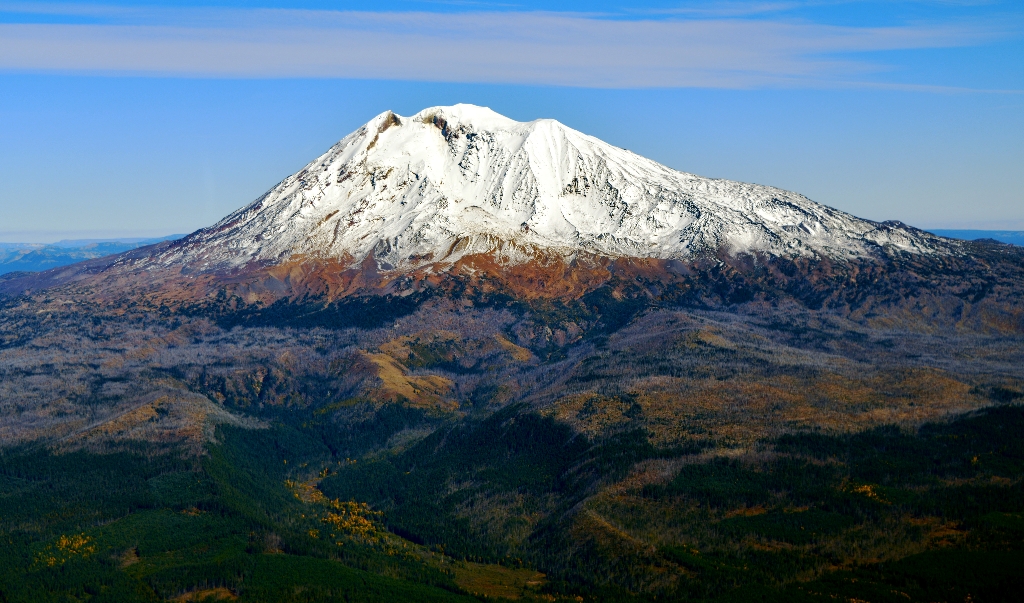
{"points": [[452, 181]]}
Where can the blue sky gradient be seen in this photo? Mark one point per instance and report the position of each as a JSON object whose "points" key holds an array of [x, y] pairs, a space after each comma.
{"points": [[128, 119]]}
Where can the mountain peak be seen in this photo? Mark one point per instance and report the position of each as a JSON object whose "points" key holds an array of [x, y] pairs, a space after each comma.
{"points": [[453, 181], [471, 116]]}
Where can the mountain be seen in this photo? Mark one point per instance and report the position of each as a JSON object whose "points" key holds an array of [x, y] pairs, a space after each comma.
{"points": [[459, 357], [461, 197], [450, 182]]}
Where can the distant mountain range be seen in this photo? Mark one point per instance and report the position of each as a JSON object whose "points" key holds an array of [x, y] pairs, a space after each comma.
{"points": [[1013, 237], [34, 257]]}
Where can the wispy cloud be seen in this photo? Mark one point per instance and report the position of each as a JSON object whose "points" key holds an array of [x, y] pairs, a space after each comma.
{"points": [[746, 8], [498, 47]]}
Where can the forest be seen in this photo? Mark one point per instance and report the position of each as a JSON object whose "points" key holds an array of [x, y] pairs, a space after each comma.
{"points": [[270, 515]]}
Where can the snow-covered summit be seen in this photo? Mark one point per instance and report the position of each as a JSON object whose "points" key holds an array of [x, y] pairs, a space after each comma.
{"points": [[450, 181]]}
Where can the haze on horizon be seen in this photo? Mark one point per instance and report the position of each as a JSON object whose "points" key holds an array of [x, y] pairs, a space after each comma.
{"points": [[145, 119]]}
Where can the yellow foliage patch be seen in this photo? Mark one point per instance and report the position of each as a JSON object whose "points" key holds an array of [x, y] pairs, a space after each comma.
{"points": [[348, 518], [65, 549], [869, 491], [351, 518]]}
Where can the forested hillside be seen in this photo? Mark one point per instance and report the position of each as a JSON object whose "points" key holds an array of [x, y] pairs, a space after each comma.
{"points": [[747, 431]]}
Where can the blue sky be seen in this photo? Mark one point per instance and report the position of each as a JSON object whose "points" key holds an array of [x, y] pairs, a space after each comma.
{"points": [[123, 118]]}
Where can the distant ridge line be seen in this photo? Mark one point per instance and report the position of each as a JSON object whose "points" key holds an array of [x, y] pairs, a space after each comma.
{"points": [[1013, 237], [36, 257]]}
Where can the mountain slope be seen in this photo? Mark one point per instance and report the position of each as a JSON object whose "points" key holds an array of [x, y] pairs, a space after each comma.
{"points": [[449, 182]]}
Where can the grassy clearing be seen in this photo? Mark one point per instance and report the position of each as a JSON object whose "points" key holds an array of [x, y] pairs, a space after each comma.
{"points": [[498, 582]]}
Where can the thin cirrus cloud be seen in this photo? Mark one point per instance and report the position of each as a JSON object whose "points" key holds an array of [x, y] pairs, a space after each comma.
{"points": [[477, 47]]}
